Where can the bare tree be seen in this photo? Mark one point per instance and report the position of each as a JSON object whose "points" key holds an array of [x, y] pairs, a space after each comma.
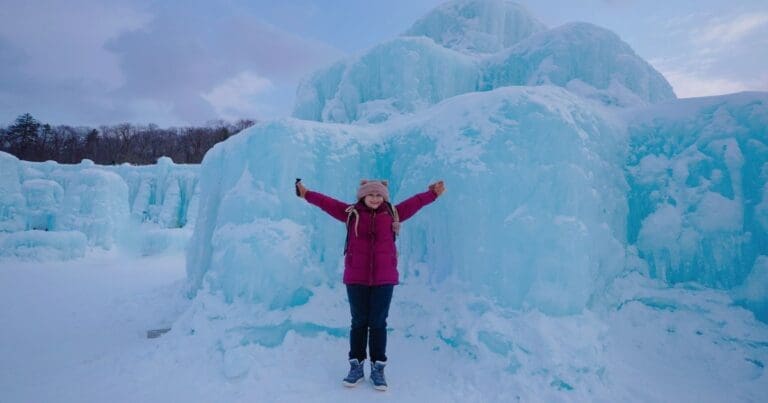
{"points": [[29, 139]]}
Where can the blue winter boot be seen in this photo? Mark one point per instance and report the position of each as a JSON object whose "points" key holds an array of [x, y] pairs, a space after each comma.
{"points": [[377, 375], [355, 375]]}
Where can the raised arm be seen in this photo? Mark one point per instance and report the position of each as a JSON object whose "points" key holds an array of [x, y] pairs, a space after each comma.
{"points": [[407, 208], [410, 206], [330, 205]]}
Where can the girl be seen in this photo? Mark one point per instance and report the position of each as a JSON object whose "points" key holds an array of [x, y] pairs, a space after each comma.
{"points": [[370, 266]]}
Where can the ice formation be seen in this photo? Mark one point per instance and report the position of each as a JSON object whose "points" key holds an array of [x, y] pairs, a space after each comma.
{"points": [[698, 172], [569, 163], [472, 45], [584, 58], [516, 242], [548, 194], [55, 211], [400, 76], [477, 26], [567, 157]]}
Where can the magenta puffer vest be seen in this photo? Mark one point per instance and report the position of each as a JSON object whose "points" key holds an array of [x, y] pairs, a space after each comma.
{"points": [[371, 257]]}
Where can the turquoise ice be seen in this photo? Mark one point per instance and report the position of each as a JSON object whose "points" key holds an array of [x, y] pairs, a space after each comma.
{"points": [[58, 211], [568, 159]]}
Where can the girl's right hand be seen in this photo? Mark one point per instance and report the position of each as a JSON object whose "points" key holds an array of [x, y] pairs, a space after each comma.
{"points": [[302, 189]]}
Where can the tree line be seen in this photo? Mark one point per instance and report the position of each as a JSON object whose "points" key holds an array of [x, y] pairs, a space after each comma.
{"points": [[31, 140]]}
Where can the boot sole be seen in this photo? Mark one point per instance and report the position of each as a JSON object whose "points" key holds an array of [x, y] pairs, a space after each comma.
{"points": [[380, 387], [352, 384]]}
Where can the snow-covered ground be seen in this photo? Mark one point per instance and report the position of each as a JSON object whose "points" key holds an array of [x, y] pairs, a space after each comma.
{"points": [[77, 332], [65, 324]]}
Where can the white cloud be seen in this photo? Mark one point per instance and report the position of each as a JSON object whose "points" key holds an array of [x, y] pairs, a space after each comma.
{"points": [[711, 53], [689, 84], [65, 40], [108, 61], [173, 60], [733, 30], [238, 96]]}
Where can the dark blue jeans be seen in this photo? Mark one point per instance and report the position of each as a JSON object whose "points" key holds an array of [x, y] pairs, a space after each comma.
{"points": [[370, 308]]}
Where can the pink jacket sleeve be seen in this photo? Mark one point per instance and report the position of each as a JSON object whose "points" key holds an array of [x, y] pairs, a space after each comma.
{"points": [[330, 205], [409, 207]]}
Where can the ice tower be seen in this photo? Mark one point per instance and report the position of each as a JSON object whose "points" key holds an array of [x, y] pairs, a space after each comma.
{"points": [[475, 45], [537, 209]]}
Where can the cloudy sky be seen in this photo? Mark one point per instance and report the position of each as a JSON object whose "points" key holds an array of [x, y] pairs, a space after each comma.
{"points": [[92, 62]]}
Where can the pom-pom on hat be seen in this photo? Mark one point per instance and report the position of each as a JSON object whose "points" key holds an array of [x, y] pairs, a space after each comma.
{"points": [[373, 187]]}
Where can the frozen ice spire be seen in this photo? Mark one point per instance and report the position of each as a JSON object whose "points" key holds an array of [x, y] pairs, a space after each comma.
{"points": [[477, 26]]}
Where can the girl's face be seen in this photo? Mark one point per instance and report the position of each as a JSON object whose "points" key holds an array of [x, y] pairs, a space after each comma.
{"points": [[373, 200]]}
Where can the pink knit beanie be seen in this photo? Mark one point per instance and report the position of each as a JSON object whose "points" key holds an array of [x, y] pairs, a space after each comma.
{"points": [[373, 187]]}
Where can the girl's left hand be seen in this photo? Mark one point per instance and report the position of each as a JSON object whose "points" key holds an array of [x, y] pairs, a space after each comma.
{"points": [[438, 188]]}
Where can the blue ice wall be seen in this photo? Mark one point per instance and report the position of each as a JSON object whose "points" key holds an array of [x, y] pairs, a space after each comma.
{"points": [[567, 157], [697, 170], [548, 191], [105, 205], [534, 215], [164, 193]]}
